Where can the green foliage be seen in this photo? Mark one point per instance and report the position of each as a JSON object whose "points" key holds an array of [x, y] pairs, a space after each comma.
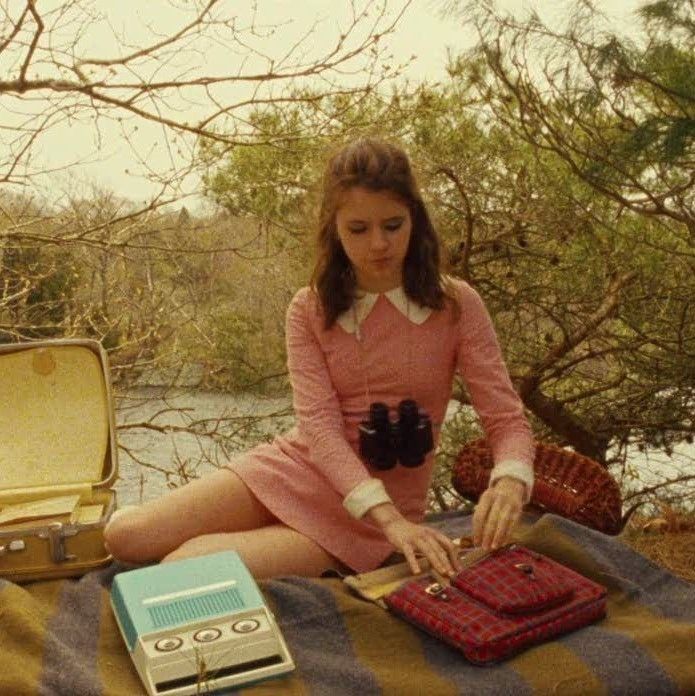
{"points": [[265, 181], [670, 15], [49, 277], [231, 334]]}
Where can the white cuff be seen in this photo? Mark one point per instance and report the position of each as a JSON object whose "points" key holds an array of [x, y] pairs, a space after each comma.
{"points": [[365, 496], [514, 469]]}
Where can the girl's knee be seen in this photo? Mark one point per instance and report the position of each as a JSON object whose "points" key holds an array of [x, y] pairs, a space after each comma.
{"points": [[201, 546], [186, 550], [122, 531]]}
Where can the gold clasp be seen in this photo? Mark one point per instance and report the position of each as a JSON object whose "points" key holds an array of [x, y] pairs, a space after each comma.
{"points": [[438, 590], [525, 568]]}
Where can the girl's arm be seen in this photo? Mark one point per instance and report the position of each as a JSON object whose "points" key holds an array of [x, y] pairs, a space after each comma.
{"points": [[499, 407]]}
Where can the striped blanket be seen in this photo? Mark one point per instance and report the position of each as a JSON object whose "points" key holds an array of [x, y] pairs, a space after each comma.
{"points": [[60, 638]]}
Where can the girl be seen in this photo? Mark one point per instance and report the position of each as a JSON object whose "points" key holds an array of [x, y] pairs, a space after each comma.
{"points": [[379, 324]]}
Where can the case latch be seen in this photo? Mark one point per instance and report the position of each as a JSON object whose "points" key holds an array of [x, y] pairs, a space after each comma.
{"points": [[437, 590], [14, 545], [56, 534]]}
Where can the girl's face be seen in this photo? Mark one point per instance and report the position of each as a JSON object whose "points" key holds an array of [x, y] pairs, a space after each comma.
{"points": [[374, 228]]}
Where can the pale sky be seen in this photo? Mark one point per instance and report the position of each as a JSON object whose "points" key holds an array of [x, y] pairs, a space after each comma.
{"points": [[104, 155]]}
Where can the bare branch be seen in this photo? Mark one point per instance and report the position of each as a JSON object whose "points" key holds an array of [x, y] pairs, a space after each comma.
{"points": [[16, 29], [35, 40], [152, 48]]}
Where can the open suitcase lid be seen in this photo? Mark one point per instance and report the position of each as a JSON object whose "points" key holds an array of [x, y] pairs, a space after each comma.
{"points": [[57, 426]]}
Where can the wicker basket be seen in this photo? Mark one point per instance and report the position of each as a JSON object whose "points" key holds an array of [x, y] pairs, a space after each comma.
{"points": [[566, 483]]}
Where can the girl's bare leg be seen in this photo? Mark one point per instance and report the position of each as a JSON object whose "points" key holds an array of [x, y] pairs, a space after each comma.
{"points": [[267, 552], [216, 503]]}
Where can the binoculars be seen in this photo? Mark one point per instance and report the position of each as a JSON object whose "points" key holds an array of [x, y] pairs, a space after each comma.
{"points": [[384, 443]]}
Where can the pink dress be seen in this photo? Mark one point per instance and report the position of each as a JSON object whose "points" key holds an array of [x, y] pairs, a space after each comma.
{"points": [[303, 475]]}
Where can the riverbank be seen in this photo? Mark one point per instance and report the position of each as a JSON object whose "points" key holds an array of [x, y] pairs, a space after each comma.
{"points": [[162, 443]]}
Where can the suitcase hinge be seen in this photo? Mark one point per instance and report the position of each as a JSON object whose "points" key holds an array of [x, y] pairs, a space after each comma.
{"points": [[56, 535]]}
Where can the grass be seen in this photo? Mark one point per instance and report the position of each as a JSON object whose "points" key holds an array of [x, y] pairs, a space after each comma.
{"points": [[667, 539]]}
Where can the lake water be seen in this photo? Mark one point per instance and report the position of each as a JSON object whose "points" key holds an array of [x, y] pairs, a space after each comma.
{"points": [[146, 455]]}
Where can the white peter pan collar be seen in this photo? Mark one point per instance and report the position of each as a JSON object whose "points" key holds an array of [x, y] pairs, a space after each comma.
{"points": [[364, 303]]}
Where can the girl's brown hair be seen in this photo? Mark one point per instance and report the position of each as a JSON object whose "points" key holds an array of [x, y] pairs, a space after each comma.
{"points": [[375, 165]]}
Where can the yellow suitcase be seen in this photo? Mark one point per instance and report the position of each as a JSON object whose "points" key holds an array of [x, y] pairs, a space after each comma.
{"points": [[58, 458]]}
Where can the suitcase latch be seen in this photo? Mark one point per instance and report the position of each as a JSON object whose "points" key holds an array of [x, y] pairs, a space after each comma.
{"points": [[14, 545], [56, 534]]}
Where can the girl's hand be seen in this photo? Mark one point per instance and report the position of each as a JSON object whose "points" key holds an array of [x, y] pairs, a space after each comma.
{"points": [[498, 512], [411, 538]]}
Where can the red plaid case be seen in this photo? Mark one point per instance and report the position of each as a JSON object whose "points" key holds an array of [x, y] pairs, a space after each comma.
{"points": [[505, 602]]}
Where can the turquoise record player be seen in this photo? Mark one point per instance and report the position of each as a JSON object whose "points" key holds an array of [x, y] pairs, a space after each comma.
{"points": [[198, 625]]}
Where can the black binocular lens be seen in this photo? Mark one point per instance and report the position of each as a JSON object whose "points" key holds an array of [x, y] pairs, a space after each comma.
{"points": [[376, 436], [383, 443], [415, 434]]}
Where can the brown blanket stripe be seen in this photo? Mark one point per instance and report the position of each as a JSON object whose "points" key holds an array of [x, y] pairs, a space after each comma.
{"points": [[23, 621], [553, 669], [467, 679]]}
